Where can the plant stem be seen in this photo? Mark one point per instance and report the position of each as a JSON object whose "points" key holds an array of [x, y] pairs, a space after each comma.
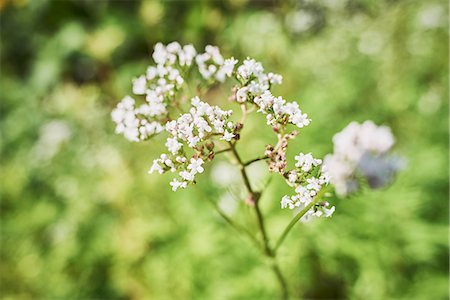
{"points": [[262, 229], [254, 160], [281, 280], [297, 217], [221, 151], [236, 226], [268, 252]]}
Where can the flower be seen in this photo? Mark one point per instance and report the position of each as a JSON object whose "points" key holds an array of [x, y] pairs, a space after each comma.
{"points": [[140, 85], [362, 149], [175, 184], [227, 136], [279, 111], [250, 67], [226, 69], [308, 179], [186, 175], [306, 161], [173, 145], [196, 165], [193, 130], [132, 122], [286, 201], [156, 167], [212, 65]]}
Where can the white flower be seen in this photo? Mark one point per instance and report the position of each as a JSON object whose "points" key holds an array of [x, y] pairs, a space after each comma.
{"points": [[287, 202], [328, 211], [241, 95], [173, 145], [173, 47], [187, 55], [211, 62], [159, 54], [299, 119], [265, 101], [130, 124], [356, 146], [193, 140], [308, 187], [306, 162], [175, 184], [226, 69], [313, 184], [196, 165], [156, 167], [227, 136], [250, 67], [275, 78], [292, 177], [278, 110], [186, 175]]}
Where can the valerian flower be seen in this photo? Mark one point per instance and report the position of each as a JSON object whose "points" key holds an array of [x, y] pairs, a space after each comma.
{"points": [[362, 149], [196, 132], [193, 130], [192, 135], [308, 178]]}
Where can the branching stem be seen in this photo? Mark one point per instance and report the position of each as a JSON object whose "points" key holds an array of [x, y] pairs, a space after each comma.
{"points": [[255, 197], [247, 163], [222, 151]]}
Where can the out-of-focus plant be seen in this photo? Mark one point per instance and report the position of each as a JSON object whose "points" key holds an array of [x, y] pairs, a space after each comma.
{"points": [[198, 132]]}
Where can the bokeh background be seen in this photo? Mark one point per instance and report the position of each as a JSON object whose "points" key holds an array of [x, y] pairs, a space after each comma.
{"points": [[82, 219]]}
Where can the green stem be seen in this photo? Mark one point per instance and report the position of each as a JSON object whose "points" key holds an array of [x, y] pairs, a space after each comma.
{"points": [[281, 280], [298, 216], [254, 160], [269, 253], [262, 229], [221, 151], [236, 226]]}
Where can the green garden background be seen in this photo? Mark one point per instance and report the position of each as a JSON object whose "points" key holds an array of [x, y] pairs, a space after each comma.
{"points": [[82, 219]]}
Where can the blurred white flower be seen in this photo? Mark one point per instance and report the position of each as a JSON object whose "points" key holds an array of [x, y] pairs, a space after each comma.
{"points": [[299, 21], [52, 135], [224, 174], [370, 42], [432, 16], [361, 149]]}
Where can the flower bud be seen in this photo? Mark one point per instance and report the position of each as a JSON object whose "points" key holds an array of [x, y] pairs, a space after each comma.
{"points": [[210, 145]]}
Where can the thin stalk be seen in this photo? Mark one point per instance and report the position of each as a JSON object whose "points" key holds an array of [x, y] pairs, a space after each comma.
{"points": [[236, 226], [281, 280], [269, 253], [263, 231], [254, 160], [255, 197], [221, 151], [297, 217]]}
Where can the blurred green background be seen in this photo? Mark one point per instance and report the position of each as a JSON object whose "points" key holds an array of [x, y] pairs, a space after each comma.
{"points": [[82, 219]]}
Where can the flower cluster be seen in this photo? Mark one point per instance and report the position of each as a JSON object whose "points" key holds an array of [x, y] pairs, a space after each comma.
{"points": [[308, 178], [172, 53], [131, 122], [160, 84], [362, 149], [212, 65], [279, 112], [194, 130], [253, 80]]}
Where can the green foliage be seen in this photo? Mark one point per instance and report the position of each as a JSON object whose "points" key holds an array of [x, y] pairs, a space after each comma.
{"points": [[82, 219]]}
